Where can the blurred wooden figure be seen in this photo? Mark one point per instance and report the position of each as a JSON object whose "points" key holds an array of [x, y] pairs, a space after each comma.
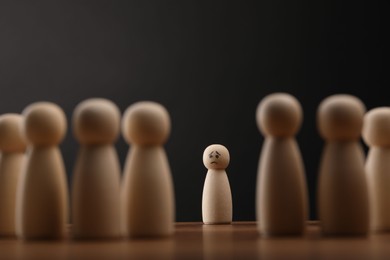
{"points": [[12, 147], [342, 188], [96, 177], [147, 189], [42, 196], [376, 134], [282, 200], [217, 205]]}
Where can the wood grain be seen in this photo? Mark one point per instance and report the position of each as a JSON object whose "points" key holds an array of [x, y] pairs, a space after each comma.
{"points": [[197, 241]]}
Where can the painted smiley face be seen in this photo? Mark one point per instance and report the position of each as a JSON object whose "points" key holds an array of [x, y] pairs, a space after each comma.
{"points": [[216, 156]]}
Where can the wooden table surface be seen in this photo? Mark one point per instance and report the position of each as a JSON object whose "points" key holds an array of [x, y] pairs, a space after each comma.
{"points": [[196, 241]]}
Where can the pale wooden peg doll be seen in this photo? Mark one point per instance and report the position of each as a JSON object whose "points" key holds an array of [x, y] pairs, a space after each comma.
{"points": [[217, 205]]}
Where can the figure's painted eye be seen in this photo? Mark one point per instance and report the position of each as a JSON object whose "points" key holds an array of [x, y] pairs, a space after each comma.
{"points": [[210, 156], [217, 156]]}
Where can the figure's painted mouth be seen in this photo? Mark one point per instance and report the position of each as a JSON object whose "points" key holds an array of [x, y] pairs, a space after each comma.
{"points": [[214, 162]]}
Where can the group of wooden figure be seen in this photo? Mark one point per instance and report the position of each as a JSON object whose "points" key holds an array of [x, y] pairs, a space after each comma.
{"points": [[353, 191], [33, 188]]}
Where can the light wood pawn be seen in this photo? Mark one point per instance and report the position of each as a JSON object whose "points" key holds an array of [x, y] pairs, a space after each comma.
{"points": [[282, 200], [376, 134], [12, 147], [147, 189], [217, 205], [342, 185], [96, 177], [42, 196]]}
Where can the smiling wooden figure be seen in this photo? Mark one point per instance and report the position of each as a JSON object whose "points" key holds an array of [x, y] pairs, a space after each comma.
{"points": [[217, 198]]}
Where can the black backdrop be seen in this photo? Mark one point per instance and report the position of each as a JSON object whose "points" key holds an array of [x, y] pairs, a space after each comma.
{"points": [[208, 62]]}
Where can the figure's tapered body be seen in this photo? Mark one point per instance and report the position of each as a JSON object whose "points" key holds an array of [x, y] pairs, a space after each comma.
{"points": [[10, 171], [378, 178], [42, 194], [217, 199], [148, 193], [282, 193], [342, 191], [96, 193]]}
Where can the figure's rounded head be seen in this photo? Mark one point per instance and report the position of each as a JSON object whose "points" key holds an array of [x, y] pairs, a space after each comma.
{"points": [[96, 121], [340, 117], [44, 123], [279, 115], [146, 123], [11, 139], [216, 156], [376, 127]]}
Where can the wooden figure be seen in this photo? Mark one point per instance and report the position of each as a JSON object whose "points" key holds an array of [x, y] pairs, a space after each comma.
{"points": [[282, 200], [217, 205], [342, 188], [376, 134], [96, 177], [42, 195], [12, 147], [147, 189]]}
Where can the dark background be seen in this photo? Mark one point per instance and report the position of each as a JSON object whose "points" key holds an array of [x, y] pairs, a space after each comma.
{"points": [[208, 62]]}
